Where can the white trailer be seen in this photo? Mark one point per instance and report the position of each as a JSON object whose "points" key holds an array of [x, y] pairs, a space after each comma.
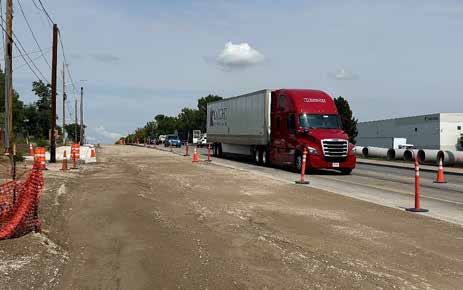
{"points": [[239, 123]]}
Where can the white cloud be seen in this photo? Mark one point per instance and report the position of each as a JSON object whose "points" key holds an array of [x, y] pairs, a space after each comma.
{"points": [[343, 75], [101, 134], [239, 56]]}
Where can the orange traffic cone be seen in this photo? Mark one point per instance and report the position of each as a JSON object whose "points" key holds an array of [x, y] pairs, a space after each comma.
{"points": [[195, 156], [92, 153], [65, 162], [440, 173], [31, 150]]}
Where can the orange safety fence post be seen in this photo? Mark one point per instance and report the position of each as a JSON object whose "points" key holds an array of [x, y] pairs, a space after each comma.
{"points": [[186, 149], [417, 207], [304, 158], [209, 153]]}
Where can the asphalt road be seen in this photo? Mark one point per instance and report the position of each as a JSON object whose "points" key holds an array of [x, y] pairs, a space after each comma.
{"points": [[392, 187]]}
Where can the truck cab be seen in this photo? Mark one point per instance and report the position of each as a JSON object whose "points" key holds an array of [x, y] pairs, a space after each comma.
{"points": [[308, 119]]}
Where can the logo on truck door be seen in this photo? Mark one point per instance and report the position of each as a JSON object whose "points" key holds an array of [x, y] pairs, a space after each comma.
{"points": [[314, 100], [218, 117]]}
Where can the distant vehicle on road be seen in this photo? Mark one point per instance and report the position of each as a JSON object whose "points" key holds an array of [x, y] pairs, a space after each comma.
{"points": [[174, 140], [203, 141], [274, 127], [196, 136], [406, 146], [160, 139]]}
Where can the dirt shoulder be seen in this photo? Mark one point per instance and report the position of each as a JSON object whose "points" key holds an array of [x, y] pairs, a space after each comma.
{"points": [[37, 260], [145, 219]]}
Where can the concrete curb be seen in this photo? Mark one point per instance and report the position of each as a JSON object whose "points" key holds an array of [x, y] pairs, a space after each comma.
{"points": [[426, 168]]}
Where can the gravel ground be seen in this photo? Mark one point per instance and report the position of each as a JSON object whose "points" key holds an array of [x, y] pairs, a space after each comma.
{"points": [[145, 219]]}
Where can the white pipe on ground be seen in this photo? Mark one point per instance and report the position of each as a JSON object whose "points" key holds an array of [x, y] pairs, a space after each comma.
{"points": [[399, 153], [451, 157], [375, 152], [409, 154], [358, 150], [390, 154], [428, 156]]}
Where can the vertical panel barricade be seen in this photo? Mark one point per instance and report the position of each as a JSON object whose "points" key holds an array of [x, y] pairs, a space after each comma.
{"points": [[19, 216], [39, 158], [75, 154]]}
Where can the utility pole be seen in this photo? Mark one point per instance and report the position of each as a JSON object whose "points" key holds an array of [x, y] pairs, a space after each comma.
{"points": [[9, 137], [76, 122], [81, 115], [8, 76], [64, 104], [54, 65]]}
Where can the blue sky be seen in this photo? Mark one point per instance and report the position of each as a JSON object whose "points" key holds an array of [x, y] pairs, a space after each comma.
{"points": [[142, 58]]}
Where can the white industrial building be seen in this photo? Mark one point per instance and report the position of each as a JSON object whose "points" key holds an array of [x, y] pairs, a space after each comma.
{"points": [[442, 131]]}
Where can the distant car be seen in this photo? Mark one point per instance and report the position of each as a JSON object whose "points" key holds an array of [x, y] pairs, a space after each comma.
{"points": [[160, 139], [174, 140], [203, 141], [406, 146]]}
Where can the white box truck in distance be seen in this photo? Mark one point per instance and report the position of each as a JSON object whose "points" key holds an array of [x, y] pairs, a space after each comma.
{"points": [[274, 127]]}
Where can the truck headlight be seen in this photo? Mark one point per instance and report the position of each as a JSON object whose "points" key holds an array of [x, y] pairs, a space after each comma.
{"points": [[312, 151], [353, 151]]}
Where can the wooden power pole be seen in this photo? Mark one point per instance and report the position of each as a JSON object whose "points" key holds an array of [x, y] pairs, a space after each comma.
{"points": [[76, 122], [9, 78], [81, 115], [64, 104], [54, 65]]}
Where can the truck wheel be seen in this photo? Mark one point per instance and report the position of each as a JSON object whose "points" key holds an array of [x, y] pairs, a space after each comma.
{"points": [[219, 150], [298, 162], [346, 171], [265, 160], [256, 157]]}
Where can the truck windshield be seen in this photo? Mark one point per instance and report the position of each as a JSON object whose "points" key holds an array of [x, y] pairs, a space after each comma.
{"points": [[319, 121]]}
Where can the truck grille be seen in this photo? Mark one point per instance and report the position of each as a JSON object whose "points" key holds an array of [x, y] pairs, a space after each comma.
{"points": [[335, 148]]}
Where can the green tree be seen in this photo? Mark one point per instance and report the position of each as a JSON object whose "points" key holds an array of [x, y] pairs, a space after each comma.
{"points": [[202, 107], [18, 108], [43, 104], [349, 123], [166, 124], [71, 130]]}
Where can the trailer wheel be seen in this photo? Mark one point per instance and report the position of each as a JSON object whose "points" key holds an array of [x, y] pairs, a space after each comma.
{"points": [[257, 156], [219, 150]]}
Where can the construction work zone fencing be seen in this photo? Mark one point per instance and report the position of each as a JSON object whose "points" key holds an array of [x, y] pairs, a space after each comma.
{"points": [[19, 202]]}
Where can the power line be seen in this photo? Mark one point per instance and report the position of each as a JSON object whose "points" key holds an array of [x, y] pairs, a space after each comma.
{"points": [[32, 32], [66, 62], [22, 65], [46, 12], [28, 64]]}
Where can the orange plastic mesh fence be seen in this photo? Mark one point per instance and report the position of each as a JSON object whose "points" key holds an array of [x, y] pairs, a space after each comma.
{"points": [[19, 202]]}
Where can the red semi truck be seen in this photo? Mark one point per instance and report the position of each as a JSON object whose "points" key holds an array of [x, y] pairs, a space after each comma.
{"points": [[274, 127]]}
